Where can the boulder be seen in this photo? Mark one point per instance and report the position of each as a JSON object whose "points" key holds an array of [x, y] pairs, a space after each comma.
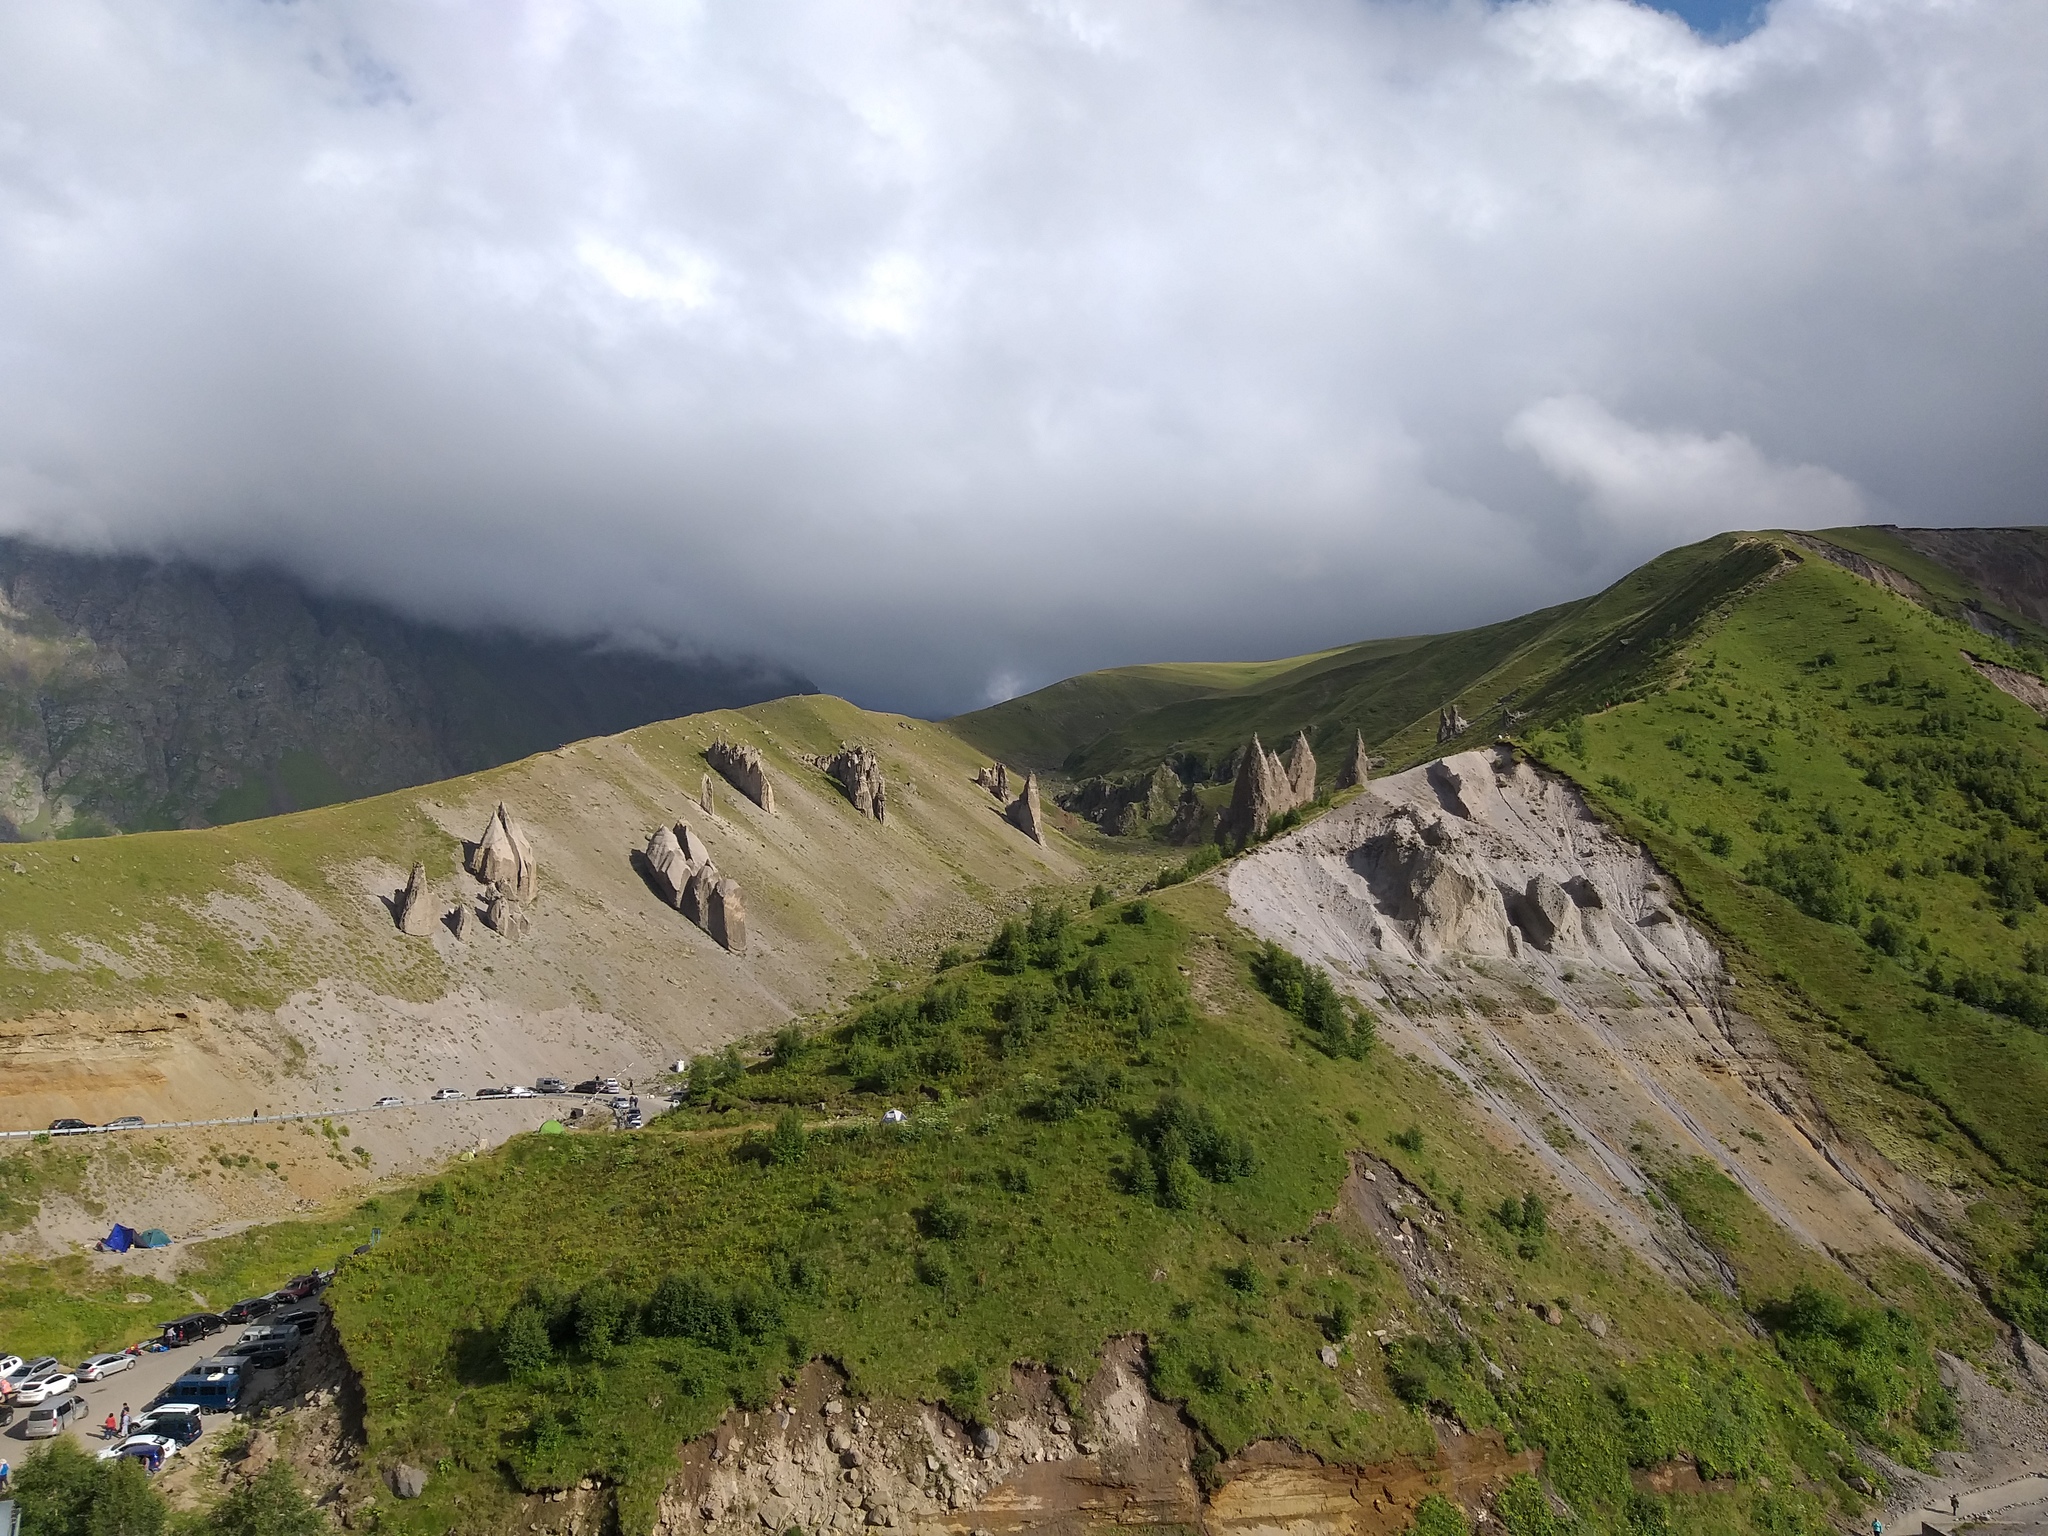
{"points": [[503, 858], [858, 771], [704, 797], [1026, 814], [1301, 771], [741, 767], [1357, 767], [695, 901], [461, 919], [726, 917], [408, 1481], [505, 916], [415, 912], [1549, 917], [669, 864]]}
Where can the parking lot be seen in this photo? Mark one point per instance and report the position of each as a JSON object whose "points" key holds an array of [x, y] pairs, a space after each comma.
{"points": [[138, 1386]]}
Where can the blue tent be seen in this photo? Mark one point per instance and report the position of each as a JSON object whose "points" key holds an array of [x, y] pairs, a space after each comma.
{"points": [[120, 1240]]}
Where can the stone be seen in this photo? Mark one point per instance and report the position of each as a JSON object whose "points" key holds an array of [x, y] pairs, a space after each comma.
{"points": [[1597, 1325], [840, 1440], [505, 916], [462, 920], [858, 771], [996, 781], [985, 1440], [1264, 788], [726, 917], [1026, 814], [1549, 916], [415, 911], [408, 1481], [668, 864], [741, 767], [1301, 770], [503, 858], [1328, 1355], [695, 901], [1450, 724], [704, 797], [1357, 769]]}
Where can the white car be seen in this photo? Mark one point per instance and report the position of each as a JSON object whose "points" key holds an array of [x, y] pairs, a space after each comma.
{"points": [[50, 1384], [389, 1101], [100, 1367], [14, 1370], [443, 1095], [166, 1447], [521, 1091]]}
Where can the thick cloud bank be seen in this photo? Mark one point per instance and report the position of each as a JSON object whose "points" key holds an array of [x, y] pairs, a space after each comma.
{"points": [[928, 344]]}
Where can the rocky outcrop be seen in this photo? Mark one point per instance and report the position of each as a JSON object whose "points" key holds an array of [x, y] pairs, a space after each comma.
{"points": [[858, 771], [461, 920], [673, 855], [1450, 724], [505, 916], [695, 900], [996, 781], [1301, 771], [1549, 916], [1026, 814], [1127, 804], [741, 767], [704, 798], [415, 909], [1267, 787], [1193, 822], [726, 917], [503, 859], [1357, 767]]}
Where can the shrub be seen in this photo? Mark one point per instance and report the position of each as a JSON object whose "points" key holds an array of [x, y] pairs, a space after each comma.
{"points": [[1185, 1132], [1812, 876], [965, 1391], [788, 1141], [1409, 1140], [270, 1504], [1099, 897], [690, 1307], [789, 1045], [1438, 1516], [1340, 1026], [524, 1347], [604, 1318], [945, 1219], [1200, 862]]}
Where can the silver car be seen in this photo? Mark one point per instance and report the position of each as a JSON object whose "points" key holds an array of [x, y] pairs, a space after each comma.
{"points": [[100, 1367], [46, 1421]]}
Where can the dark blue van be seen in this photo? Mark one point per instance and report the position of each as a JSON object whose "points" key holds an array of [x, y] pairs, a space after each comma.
{"points": [[212, 1386]]}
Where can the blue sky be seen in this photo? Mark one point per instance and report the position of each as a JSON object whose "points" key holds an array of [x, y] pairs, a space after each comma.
{"points": [[1722, 20]]}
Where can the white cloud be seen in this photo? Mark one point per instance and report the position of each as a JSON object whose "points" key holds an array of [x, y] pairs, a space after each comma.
{"points": [[921, 341], [1677, 485]]}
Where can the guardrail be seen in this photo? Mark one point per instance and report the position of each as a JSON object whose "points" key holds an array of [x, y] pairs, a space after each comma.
{"points": [[309, 1114]]}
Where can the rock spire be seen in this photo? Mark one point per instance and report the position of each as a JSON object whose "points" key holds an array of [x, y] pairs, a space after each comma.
{"points": [[859, 772], [1450, 724], [1357, 767], [1267, 787], [414, 910], [503, 858], [742, 768], [1026, 814]]}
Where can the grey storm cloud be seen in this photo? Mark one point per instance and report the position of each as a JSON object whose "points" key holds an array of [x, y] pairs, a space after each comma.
{"points": [[944, 348]]}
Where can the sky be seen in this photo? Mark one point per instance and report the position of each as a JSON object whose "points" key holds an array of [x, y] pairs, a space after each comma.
{"points": [[943, 348]]}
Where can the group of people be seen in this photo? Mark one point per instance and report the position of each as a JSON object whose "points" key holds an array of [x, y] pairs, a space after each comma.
{"points": [[116, 1427]]}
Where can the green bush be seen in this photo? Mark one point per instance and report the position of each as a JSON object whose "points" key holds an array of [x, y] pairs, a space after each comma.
{"points": [[270, 1504], [1438, 1516], [524, 1346], [788, 1141], [1341, 1026]]}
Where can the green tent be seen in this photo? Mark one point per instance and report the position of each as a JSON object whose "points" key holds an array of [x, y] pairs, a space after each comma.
{"points": [[155, 1237], [551, 1127]]}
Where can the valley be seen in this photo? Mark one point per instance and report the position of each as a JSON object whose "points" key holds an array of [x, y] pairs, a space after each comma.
{"points": [[1620, 1113]]}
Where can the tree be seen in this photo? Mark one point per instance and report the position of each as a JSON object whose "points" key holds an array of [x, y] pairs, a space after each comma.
{"points": [[56, 1491], [269, 1504], [787, 1142], [523, 1342], [126, 1504]]}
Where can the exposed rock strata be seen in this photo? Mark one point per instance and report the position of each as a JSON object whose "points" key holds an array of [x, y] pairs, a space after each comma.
{"points": [[741, 767], [414, 910], [503, 858]]}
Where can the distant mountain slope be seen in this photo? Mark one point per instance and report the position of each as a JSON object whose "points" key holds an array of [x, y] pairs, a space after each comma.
{"points": [[1578, 655], [1993, 579], [137, 694]]}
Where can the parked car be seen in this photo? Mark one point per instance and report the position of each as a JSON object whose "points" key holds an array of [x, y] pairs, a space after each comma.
{"points": [[189, 1330], [125, 1123], [211, 1386], [140, 1446], [12, 1366], [100, 1367], [173, 1421], [519, 1091], [551, 1085], [51, 1384], [389, 1101], [48, 1420], [248, 1311], [299, 1287], [494, 1093], [443, 1095], [262, 1354], [68, 1126], [306, 1320]]}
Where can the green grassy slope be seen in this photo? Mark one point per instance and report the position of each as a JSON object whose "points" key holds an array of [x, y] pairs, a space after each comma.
{"points": [[1028, 1212], [1862, 816]]}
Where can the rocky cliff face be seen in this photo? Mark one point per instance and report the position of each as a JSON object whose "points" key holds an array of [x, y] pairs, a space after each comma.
{"points": [[136, 694]]}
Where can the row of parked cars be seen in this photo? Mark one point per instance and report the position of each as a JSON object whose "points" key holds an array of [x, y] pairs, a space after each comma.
{"points": [[545, 1085], [67, 1126]]}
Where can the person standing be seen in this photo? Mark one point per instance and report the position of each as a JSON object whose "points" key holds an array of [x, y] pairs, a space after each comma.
{"points": [[109, 1429], [125, 1421]]}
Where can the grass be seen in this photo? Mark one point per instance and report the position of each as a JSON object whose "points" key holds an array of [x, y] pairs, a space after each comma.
{"points": [[1090, 1151], [1851, 807]]}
